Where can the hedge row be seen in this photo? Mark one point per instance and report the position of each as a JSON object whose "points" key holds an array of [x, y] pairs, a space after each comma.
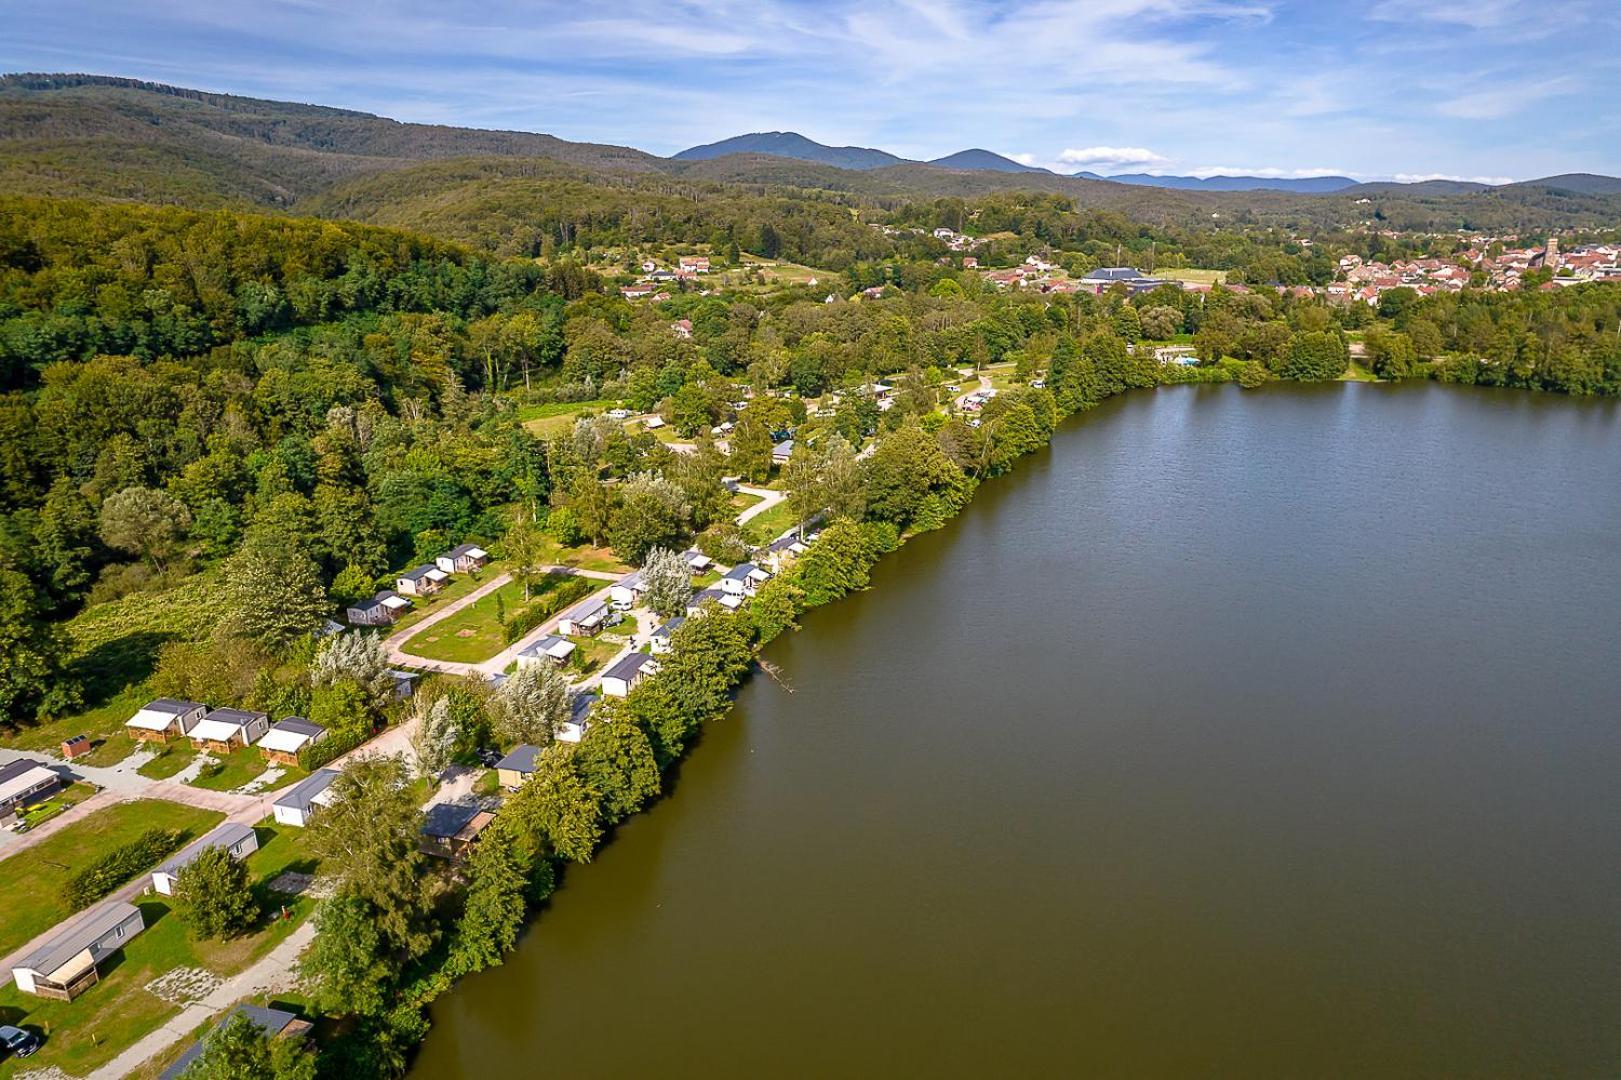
{"points": [[119, 865]]}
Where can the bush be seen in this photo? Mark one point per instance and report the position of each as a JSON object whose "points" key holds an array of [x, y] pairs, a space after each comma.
{"points": [[335, 745], [545, 606], [119, 865]]}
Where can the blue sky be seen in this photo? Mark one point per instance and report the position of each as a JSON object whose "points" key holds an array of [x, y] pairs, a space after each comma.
{"points": [[1373, 88]]}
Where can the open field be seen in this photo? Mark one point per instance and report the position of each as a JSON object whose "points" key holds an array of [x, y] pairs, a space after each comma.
{"points": [[771, 524], [1193, 274], [544, 421], [476, 632], [31, 881]]}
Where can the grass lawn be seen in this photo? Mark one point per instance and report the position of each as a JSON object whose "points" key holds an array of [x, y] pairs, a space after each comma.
{"points": [[174, 757], [742, 500], [1357, 373], [773, 523], [108, 750], [103, 723], [116, 1012], [231, 771], [585, 557], [544, 421], [473, 634], [592, 653], [72, 795], [460, 585], [626, 627], [1200, 277], [33, 879]]}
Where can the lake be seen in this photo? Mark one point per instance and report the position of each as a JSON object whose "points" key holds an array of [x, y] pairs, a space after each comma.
{"points": [[1266, 733]]}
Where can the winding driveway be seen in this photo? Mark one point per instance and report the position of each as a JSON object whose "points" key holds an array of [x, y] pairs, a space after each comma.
{"points": [[769, 497]]}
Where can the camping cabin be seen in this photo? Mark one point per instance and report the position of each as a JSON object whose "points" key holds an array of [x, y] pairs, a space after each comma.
{"points": [[164, 719], [624, 592], [586, 619], [287, 738], [384, 609], [550, 649], [574, 728], [450, 829], [273, 1023], [517, 766], [424, 580], [68, 964], [660, 641], [618, 680], [743, 579], [299, 804], [240, 840], [22, 782], [224, 730], [463, 559]]}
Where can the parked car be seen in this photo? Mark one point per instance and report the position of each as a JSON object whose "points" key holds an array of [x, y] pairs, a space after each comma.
{"points": [[17, 1042], [619, 414]]}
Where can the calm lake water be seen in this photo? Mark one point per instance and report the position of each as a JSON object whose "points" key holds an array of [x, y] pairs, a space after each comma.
{"points": [[1244, 734]]}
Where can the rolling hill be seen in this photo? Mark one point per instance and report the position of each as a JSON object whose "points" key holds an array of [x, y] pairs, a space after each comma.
{"points": [[791, 144], [1310, 185], [103, 137], [983, 159]]}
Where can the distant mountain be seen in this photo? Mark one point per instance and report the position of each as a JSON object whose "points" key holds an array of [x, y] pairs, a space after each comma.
{"points": [[791, 144], [1310, 185], [1419, 188], [1580, 183], [982, 159]]}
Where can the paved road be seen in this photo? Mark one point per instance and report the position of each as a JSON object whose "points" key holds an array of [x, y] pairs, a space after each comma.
{"points": [[769, 498], [393, 646], [275, 971], [984, 385]]}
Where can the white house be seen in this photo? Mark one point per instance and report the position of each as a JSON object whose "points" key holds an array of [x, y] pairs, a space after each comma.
{"points": [[164, 719], [300, 803], [237, 839], [725, 600], [462, 559], [781, 452], [743, 579], [629, 670], [424, 580], [661, 638], [550, 649], [67, 964], [624, 593], [574, 728], [381, 610], [224, 730], [586, 619]]}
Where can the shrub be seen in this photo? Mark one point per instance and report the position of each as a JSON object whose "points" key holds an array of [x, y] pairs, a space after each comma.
{"points": [[545, 606], [119, 865]]}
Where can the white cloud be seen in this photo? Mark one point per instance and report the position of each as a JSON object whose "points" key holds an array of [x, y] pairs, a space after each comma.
{"points": [[1267, 172], [1111, 157], [1419, 178]]}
